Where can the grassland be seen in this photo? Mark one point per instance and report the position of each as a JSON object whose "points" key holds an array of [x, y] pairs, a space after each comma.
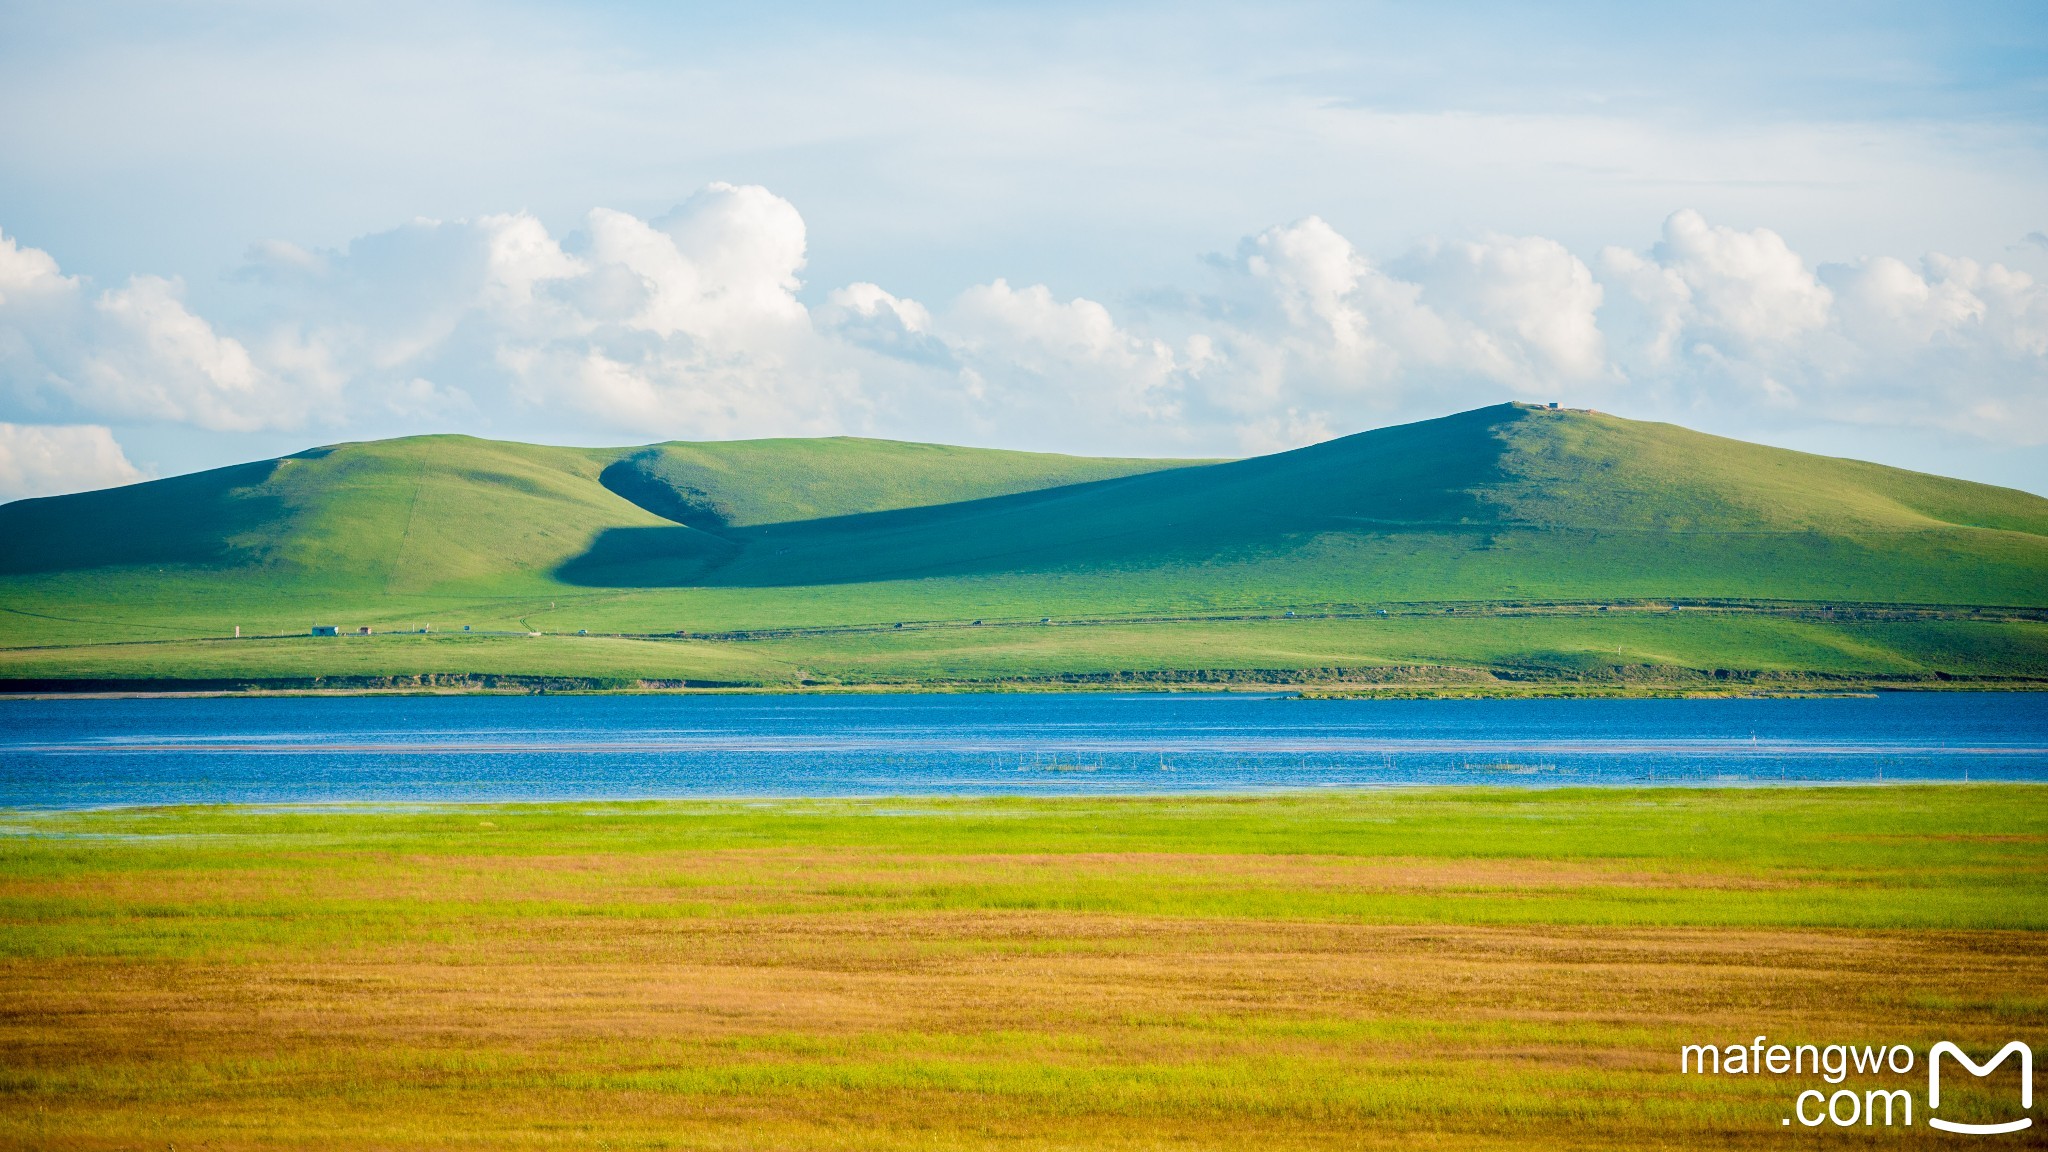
{"points": [[1181, 569], [1640, 648], [1454, 969]]}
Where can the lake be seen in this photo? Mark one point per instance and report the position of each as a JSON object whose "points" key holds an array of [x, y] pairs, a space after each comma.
{"points": [[91, 752]]}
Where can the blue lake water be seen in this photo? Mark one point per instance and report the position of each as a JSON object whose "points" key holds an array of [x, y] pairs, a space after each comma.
{"points": [[71, 753]]}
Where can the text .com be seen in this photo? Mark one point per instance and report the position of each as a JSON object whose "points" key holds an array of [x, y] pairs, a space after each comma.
{"points": [[1847, 1107]]}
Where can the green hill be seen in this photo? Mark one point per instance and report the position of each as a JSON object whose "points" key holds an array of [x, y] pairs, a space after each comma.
{"points": [[1504, 510], [430, 512], [1502, 502]]}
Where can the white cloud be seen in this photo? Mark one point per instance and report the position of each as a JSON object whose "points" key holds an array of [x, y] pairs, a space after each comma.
{"points": [[1528, 307], [1314, 274], [1308, 333], [871, 317], [1653, 304], [130, 353], [721, 269], [1305, 324], [693, 324], [683, 325], [1749, 285], [1712, 317], [870, 301], [1885, 300], [1954, 343], [687, 324], [46, 460], [29, 274], [159, 361]]}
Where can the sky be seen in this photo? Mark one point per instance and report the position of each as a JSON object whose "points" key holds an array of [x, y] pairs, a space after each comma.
{"points": [[230, 230]]}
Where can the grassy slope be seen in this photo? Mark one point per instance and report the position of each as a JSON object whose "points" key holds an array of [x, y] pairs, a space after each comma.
{"points": [[752, 482], [1504, 501], [1500, 503], [1620, 649], [433, 513], [425, 528], [1450, 968]]}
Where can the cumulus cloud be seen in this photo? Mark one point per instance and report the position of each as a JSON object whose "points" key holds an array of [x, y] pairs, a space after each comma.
{"points": [[156, 360], [1314, 275], [1953, 342], [132, 353], [29, 274], [1714, 316], [45, 460], [720, 269], [1748, 285], [1028, 350], [869, 316], [694, 324], [1306, 333], [1526, 308], [685, 324]]}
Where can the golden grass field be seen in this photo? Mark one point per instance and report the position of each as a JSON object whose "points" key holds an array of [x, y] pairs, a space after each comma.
{"points": [[1433, 969]]}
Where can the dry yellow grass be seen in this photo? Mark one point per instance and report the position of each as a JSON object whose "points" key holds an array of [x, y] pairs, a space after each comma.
{"points": [[428, 993]]}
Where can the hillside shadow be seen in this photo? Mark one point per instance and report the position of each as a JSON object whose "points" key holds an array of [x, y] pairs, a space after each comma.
{"points": [[1417, 478], [648, 558], [181, 520], [637, 479]]}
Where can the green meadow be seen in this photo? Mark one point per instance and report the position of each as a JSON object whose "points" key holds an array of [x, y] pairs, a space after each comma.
{"points": [[1510, 545], [1449, 968], [1497, 652]]}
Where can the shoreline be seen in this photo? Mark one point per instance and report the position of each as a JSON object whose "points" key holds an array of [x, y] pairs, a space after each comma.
{"points": [[615, 805], [1783, 686]]}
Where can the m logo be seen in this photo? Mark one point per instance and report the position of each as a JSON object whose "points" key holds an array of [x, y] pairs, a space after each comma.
{"points": [[1984, 1069]]}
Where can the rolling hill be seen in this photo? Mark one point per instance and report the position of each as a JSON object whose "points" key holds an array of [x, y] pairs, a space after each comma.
{"points": [[1509, 509], [430, 512]]}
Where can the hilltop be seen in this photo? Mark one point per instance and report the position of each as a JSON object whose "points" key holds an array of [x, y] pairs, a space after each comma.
{"points": [[1505, 509], [440, 512]]}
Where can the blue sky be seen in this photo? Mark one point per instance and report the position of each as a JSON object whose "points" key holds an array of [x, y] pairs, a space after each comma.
{"points": [[233, 229]]}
